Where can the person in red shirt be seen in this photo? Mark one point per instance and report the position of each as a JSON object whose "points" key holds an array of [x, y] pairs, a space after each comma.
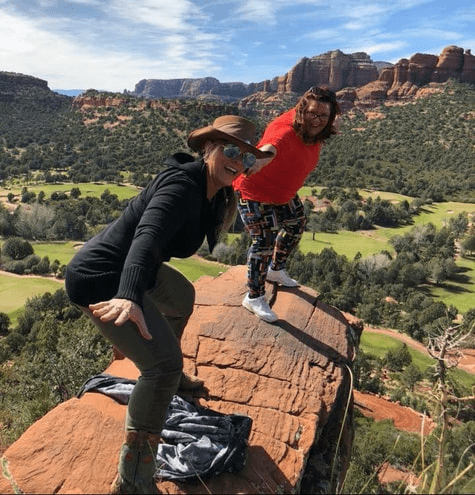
{"points": [[269, 205]]}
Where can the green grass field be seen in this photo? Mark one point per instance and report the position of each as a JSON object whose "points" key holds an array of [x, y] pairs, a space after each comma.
{"points": [[194, 268], [15, 290], [346, 242], [379, 345], [87, 189], [458, 293], [61, 251]]}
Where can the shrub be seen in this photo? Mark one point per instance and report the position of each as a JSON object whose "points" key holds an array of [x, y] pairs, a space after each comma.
{"points": [[17, 267], [397, 359], [16, 248]]}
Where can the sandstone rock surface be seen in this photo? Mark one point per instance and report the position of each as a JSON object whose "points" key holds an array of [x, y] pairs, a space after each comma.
{"points": [[335, 70], [409, 77], [292, 378]]}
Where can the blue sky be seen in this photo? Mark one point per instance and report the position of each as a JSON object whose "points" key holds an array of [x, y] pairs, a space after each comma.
{"points": [[113, 44]]}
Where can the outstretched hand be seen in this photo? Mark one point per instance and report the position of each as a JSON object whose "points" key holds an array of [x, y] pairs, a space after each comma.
{"points": [[120, 311], [262, 162]]}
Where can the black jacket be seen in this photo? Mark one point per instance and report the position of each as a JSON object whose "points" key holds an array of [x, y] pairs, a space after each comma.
{"points": [[169, 218]]}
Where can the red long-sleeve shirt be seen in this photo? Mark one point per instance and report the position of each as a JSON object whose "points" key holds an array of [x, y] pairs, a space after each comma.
{"points": [[279, 181]]}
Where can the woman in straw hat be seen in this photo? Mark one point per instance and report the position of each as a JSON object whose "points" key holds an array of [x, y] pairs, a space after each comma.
{"points": [[141, 304]]}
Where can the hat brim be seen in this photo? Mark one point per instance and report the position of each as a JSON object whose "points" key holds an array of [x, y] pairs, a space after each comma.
{"points": [[197, 138]]}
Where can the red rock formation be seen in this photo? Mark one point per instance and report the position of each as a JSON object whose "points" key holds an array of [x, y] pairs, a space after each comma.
{"points": [[346, 98], [450, 64], [334, 69], [468, 71], [372, 94], [292, 378], [405, 79]]}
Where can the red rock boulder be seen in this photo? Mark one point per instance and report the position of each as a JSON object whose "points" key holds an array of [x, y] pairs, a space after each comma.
{"points": [[292, 378]]}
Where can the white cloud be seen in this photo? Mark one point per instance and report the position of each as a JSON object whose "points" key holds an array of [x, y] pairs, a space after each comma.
{"points": [[261, 11], [431, 34], [112, 44], [383, 47], [27, 47], [353, 26], [325, 34], [162, 14], [87, 2]]}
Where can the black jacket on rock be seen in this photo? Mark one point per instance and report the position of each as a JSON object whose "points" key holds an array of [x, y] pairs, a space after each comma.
{"points": [[170, 218]]}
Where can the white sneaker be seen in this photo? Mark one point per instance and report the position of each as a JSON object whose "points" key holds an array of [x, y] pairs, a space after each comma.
{"points": [[281, 277], [260, 307]]}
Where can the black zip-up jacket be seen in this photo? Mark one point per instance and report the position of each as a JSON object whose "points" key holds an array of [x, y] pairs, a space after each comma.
{"points": [[169, 218]]}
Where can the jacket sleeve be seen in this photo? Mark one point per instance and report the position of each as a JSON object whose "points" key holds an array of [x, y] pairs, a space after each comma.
{"points": [[170, 206]]}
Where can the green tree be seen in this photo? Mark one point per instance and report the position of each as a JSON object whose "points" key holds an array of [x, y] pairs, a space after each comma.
{"points": [[398, 358], [35, 223], [411, 375], [468, 243], [4, 323], [16, 248]]}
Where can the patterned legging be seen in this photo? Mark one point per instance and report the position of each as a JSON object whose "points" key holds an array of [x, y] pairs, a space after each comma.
{"points": [[275, 231]]}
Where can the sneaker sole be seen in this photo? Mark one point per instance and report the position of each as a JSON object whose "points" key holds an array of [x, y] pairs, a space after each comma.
{"points": [[280, 283], [268, 320]]}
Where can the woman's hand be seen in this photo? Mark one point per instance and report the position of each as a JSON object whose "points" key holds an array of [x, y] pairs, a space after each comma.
{"points": [[262, 162], [121, 310]]}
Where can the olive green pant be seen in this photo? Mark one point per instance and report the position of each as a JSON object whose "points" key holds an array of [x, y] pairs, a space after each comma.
{"points": [[167, 308]]}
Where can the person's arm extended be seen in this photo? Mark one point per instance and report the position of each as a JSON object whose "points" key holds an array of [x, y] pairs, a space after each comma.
{"points": [[262, 162]]}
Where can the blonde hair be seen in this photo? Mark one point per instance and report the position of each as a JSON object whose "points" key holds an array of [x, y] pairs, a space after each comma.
{"points": [[224, 202]]}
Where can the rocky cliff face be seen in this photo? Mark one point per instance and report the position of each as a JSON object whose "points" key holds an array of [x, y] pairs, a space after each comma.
{"points": [[333, 69], [405, 79], [355, 77], [292, 378], [193, 88]]}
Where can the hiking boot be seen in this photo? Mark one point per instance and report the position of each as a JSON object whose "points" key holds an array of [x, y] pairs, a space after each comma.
{"points": [[260, 307], [281, 277], [137, 464], [189, 382]]}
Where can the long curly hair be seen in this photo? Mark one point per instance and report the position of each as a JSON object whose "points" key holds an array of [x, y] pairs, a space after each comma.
{"points": [[323, 95]]}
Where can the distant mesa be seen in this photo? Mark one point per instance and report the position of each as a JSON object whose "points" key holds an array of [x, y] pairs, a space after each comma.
{"points": [[355, 77], [358, 81], [192, 88], [333, 69], [13, 79], [13, 85]]}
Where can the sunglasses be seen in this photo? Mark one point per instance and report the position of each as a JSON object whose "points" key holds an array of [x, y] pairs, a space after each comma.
{"points": [[233, 151]]}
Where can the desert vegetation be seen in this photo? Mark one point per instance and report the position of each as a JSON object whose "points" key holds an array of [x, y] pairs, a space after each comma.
{"points": [[66, 173]]}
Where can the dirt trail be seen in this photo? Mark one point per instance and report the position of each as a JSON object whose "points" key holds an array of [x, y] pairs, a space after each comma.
{"points": [[404, 418]]}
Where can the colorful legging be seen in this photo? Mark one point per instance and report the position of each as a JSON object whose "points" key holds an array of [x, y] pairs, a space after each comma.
{"points": [[275, 231], [167, 308]]}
